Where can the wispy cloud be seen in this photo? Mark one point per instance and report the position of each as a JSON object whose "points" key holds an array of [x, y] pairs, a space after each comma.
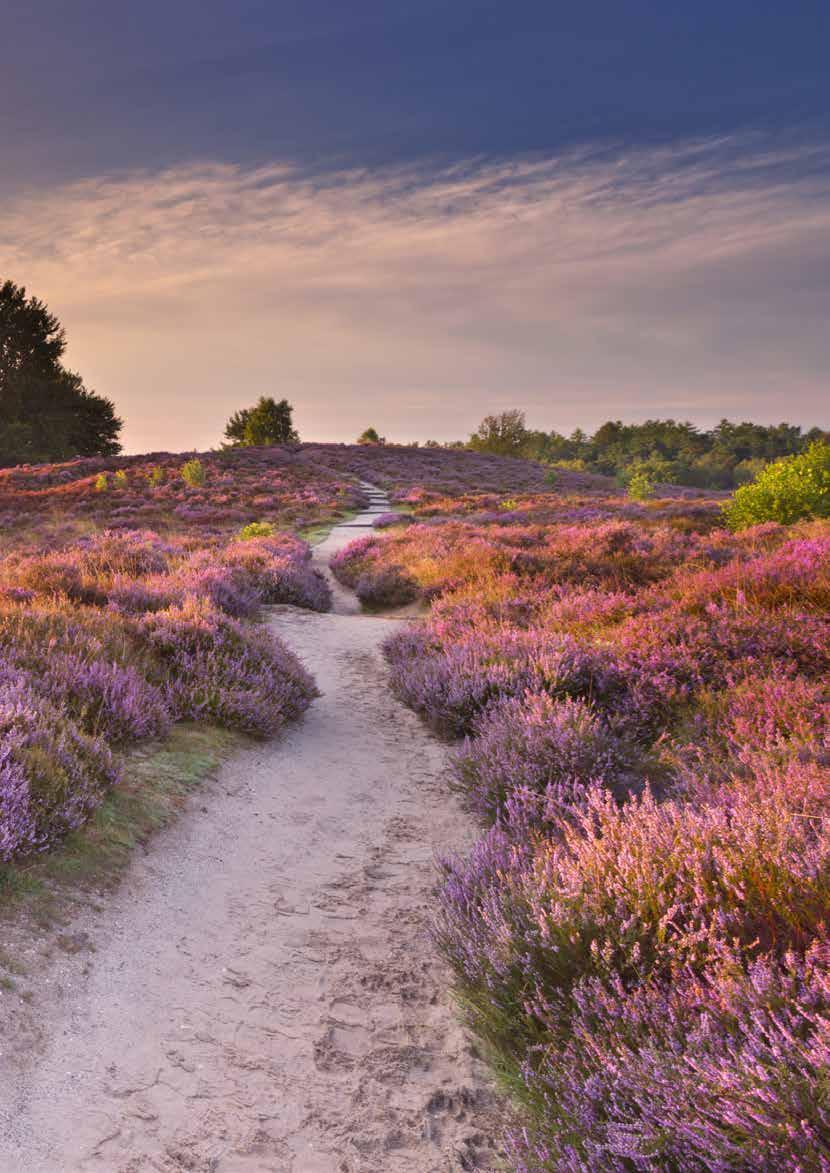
{"points": [[690, 281]]}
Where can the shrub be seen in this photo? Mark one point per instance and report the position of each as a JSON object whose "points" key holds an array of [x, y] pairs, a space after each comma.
{"points": [[215, 669], [51, 774], [193, 473], [542, 746], [452, 686], [120, 479], [728, 1073], [102, 483], [640, 486], [257, 529], [386, 586], [156, 476], [785, 491]]}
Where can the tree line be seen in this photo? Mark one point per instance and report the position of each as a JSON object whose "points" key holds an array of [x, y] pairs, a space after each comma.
{"points": [[657, 451]]}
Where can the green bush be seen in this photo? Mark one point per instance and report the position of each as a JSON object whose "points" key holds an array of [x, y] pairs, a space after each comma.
{"points": [[102, 483], [786, 491], [257, 529], [193, 473], [120, 479], [640, 487], [156, 476]]}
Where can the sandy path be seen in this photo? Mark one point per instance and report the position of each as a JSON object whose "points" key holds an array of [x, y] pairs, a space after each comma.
{"points": [[262, 995]]}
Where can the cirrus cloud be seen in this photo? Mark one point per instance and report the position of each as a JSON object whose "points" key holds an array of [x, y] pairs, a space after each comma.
{"points": [[688, 281]]}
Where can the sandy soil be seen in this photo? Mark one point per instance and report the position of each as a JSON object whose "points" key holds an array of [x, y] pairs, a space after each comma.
{"points": [[261, 993]]}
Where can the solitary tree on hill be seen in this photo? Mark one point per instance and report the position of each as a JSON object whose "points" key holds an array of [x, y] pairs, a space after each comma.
{"points": [[46, 412], [266, 423], [503, 434], [370, 436]]}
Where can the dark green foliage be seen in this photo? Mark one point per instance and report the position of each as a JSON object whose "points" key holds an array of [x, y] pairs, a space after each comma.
{"points": [[46, 413], [661, 451], [267, 423], [504, 434], [371, 436]]}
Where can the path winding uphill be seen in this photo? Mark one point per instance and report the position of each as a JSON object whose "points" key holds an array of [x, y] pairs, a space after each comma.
{"points": [[262, 995]]}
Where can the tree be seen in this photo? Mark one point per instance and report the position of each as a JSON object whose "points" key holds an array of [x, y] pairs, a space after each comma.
{"points": [[503, 434], [370, 436], [46, 412], [266, 423]]}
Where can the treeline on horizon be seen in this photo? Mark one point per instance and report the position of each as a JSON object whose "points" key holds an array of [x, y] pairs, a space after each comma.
{"points": [[659, 451]]}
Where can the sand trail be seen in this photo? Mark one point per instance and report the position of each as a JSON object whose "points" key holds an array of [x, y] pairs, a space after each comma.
{"points": [[261, 993]]}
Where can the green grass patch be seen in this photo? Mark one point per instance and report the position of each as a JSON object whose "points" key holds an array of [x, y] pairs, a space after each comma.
{"points": [[157, 780]]}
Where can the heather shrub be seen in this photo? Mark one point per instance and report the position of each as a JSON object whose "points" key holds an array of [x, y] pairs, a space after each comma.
{"points": [[49, 575], [784, 491], [725, 1073], [215, 669], [127, 552], [452, 685], [542, 746], [387, 587], [51, 774], [108, 700], [386, 520], [280, 571]]}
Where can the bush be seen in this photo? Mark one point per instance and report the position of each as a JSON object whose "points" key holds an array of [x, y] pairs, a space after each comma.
{"points": [[785, 491], [257, 529], [193, 473], [120, 479], [546, 748], [640, 486], [385, 586], [214, 669], [52, 775], [102, 483], [452, 686]]}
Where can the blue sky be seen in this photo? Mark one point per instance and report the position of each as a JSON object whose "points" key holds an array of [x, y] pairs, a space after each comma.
{"points": [[650, 183]]}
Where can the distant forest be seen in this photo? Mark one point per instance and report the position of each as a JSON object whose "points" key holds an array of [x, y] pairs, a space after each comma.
{"points": [[664, 451]]}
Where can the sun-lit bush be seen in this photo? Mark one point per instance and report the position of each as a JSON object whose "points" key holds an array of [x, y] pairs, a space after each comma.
{"points": [[785, 491], [257, 529], [193, 473]]}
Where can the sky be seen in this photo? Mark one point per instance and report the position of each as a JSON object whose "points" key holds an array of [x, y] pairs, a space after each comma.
{"points": [[409, 215]]}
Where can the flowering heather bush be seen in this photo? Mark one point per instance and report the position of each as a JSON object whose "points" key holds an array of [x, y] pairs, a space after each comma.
{"points": [[541, 746], [721, 1074], [213, 668], [385, 520], [640, 938], [52, 775], [452, 685]]}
